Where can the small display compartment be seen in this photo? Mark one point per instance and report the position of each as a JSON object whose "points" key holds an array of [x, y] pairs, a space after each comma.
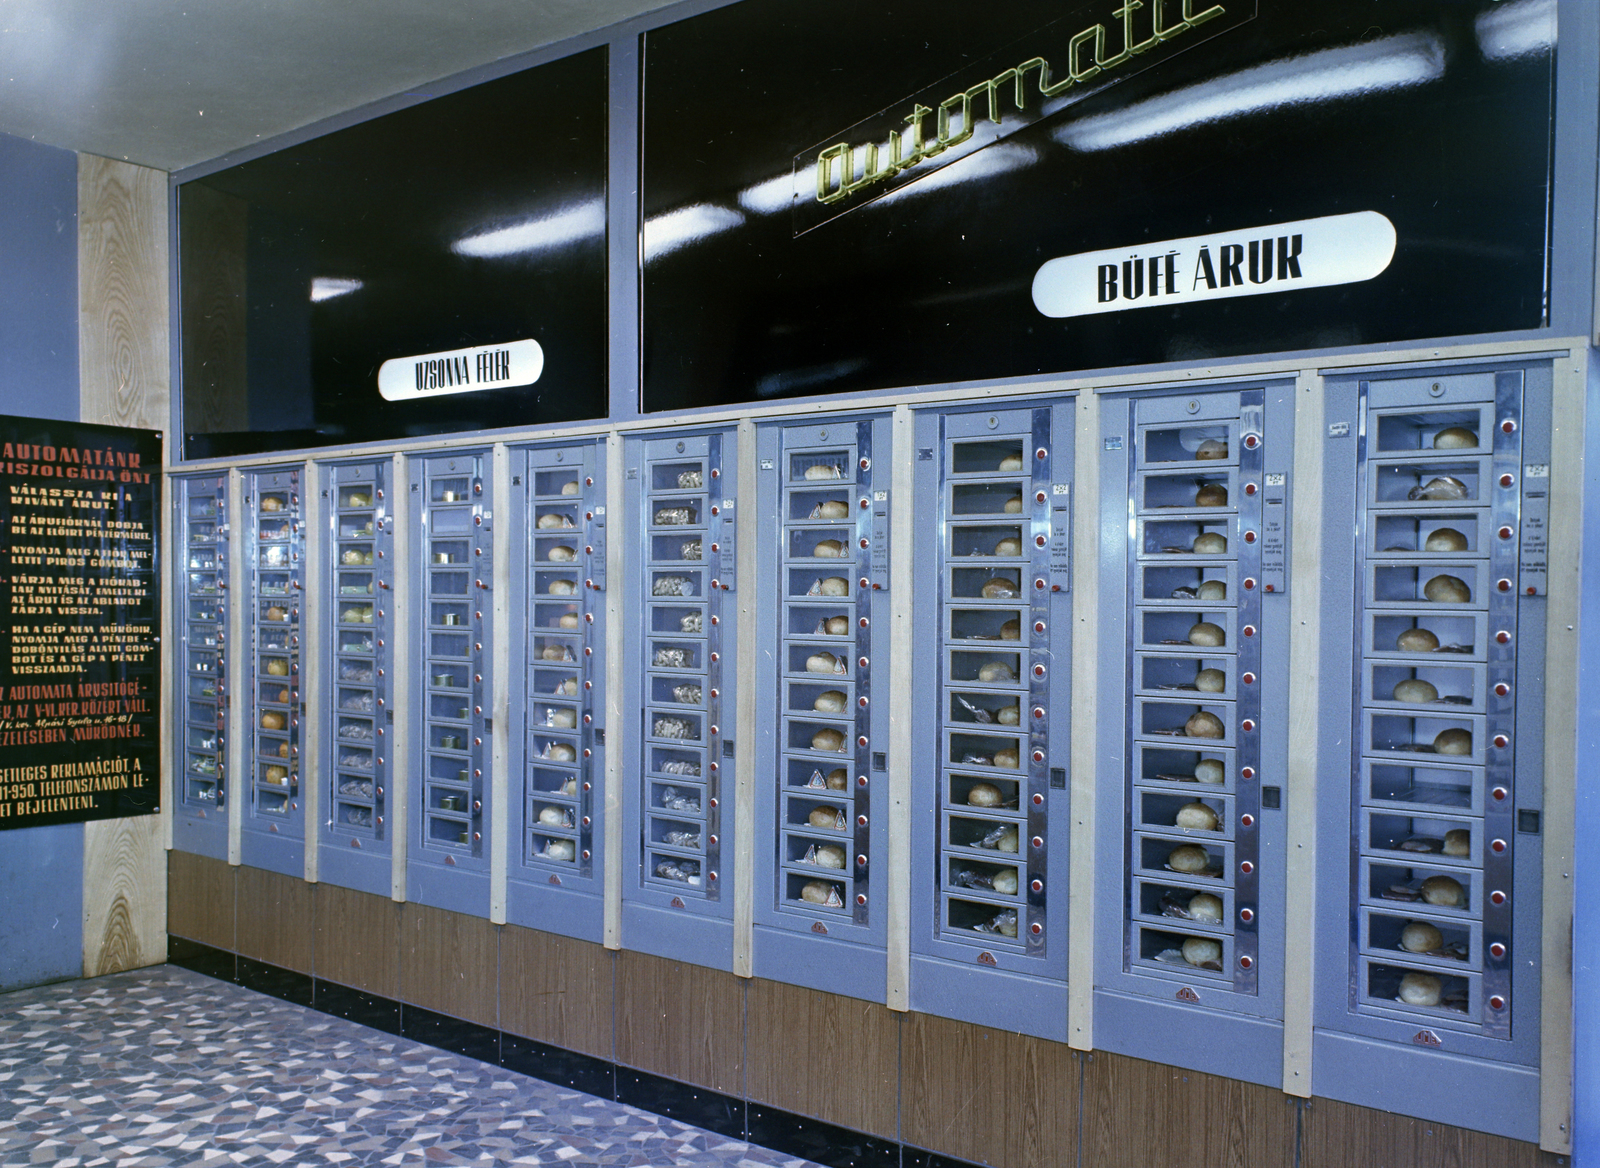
{"points": [[1207, 445], [1178, 906], [1420, 939], [1201, 581], [1187, 629], [1448, 585], [1440, 891], [1429, 536], [1207, 536], [1204, 817], [1430, 786], [999, 583], [1442, 737], [998, 669], [987, 624], [1191, 765], [1186, 953], [1432, 484], [1443, 433], [1429, 992], [1427, 632], [1183, 857], [999, 541], [1213, 677], [992, 498], [1196, 491], [1447, 842], [1426, 686], [1206, 722], [993, 458]]}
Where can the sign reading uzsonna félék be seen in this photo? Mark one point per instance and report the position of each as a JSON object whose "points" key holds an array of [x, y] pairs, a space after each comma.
{"points": [[79, 622]]}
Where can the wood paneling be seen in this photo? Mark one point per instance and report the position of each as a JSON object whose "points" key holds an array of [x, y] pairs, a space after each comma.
{"points": [[684, 1022], [989, 1096], [1342, 1135], [357, 940], [1154, 1116], [449, 963], [556, 990], [274, 918], [212, 267], [123, 362], [200, 899], [123, 354], [124, 895], [832, 1058]]}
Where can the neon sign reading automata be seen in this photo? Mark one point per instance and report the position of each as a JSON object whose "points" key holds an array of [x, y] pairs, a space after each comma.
{"points": [[842, 169]]}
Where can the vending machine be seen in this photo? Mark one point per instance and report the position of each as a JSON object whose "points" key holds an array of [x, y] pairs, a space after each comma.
{"points": [[1431, 779], [823, 493], [273, 828], [1193, 727], [558, 689], [356, 639], [447, 864], [200, 783], [678, 807], [993, 660]]}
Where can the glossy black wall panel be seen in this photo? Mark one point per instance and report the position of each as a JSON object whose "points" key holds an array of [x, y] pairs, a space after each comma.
{"points": [[407, 204], [1436, 116]]}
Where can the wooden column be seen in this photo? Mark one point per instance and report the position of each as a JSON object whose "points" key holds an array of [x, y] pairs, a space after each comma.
{"points": [[123, 371]]}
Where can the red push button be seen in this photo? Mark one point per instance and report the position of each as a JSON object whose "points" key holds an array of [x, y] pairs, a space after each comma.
{"points": [[1497, 950], [1247, 915]]}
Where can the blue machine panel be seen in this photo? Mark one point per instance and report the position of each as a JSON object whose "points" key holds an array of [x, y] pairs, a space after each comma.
{"points": [[358, 716], [558, 694], [273, 829], [682, 583], [1437, 927], [448, 862], [1194, 719], [199, 815], [824, 580], [992, 730]]}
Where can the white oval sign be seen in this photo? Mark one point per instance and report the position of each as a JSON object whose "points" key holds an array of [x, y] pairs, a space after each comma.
{"points": [[505, 366], [1253, 261]]}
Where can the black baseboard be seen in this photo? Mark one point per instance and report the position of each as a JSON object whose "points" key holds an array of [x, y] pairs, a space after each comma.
{"points": [[838, 1147], [217, 963], [727, 1115], [273, 981], [565, 1068], [712, 1110]]}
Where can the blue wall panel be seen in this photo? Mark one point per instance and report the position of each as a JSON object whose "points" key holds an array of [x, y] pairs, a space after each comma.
{"points": [[41, 868]]}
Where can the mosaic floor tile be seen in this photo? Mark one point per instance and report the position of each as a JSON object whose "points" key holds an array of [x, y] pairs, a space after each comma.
{"points": [[164, 1068]]}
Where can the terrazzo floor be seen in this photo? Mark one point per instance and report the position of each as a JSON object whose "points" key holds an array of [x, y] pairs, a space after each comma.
{"points": [[163, 1066]]}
